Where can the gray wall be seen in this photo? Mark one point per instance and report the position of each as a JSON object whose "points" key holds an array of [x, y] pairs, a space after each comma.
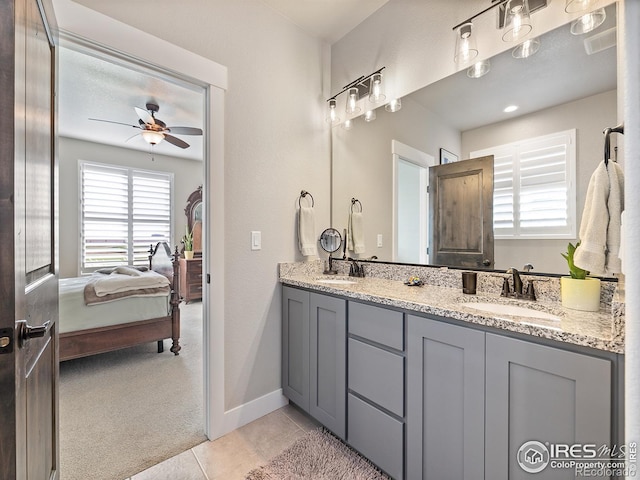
{"points": [[589, 116], [188, 175]]}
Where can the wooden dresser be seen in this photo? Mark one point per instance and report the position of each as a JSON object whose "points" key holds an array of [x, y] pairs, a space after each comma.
{"points": [[191, 279]]}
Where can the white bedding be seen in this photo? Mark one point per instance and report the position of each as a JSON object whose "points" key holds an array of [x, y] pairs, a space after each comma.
{"points": [[125, 279], [75, 315]]}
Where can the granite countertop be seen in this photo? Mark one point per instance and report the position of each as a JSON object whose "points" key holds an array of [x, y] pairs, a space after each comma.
{"points": [[598, 330]]}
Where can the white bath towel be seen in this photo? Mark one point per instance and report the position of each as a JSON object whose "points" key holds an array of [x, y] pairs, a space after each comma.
{"points": [[356, 232], [306, 231], [118, 282], [600, 226]]}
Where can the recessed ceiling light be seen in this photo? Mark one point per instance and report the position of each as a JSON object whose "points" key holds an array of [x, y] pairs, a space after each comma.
{"points": [[511, 108]]}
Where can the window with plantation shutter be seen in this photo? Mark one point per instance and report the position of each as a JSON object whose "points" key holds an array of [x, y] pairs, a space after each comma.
{"points": [[534, 187], [123, 211]]}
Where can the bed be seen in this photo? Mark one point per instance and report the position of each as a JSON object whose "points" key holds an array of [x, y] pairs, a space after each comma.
{"points": [[123, 322]]}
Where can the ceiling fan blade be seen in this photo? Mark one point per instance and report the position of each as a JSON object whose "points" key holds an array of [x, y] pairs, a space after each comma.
{"points": [[185, 130], [111, 121], [176, 141], [145, 116], [132, 137]]}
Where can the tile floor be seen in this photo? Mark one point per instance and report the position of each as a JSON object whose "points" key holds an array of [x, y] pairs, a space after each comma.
{"points": [[231, 457]]}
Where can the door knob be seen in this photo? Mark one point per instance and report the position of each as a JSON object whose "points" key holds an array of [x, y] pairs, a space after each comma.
{"points": [[27, 332], [486, 262]]}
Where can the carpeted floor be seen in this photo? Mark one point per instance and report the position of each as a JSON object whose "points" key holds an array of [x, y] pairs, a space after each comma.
{"points": [[318, 456], [122, 412]]}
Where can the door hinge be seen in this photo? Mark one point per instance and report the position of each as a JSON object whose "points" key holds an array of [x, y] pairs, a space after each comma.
{"points": [[6, 340], [208, 278]]}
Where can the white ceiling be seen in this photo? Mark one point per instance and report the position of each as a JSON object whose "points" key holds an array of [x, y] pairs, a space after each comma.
{"points": [[329, 20]]}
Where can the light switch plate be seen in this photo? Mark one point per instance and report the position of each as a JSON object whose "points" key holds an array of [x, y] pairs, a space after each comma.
{"points": [[256, 240], [379, 240]]}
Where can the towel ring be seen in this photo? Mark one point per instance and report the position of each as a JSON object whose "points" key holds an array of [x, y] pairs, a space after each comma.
{"points": [[607, 140], [303, 194], [353, 202]]}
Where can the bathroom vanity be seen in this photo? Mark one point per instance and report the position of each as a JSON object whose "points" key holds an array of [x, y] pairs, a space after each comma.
{"points": [[426, 387]]}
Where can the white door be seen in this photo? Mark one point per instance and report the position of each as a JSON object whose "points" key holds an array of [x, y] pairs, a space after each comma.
{"points": [[411, 207]]}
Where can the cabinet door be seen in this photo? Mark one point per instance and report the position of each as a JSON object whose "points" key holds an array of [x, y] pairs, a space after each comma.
{"points": [[544, 394], [295, 346], [327, 362], [445, 401]]}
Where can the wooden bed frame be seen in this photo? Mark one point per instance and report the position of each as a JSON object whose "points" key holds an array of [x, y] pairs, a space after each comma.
{"points": [[83, 343]]}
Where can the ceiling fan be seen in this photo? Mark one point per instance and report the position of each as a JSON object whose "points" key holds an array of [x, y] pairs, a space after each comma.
{"points": [[154, 130]]}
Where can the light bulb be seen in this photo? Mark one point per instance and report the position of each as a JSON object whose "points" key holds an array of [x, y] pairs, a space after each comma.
{"points": [[479, 69], [465, 45], [394, 105], [152, 137], [352, 101], [348, 124], [526, 48], [370, 116], [332, 117], [588, 22], [517, 23], [375, 90]]}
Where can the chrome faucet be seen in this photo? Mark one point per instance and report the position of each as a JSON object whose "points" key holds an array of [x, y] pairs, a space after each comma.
{"points": [[528, 294]]}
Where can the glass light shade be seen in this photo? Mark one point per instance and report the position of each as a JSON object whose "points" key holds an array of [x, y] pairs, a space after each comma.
{"points": [[352, 101], [574, 6], [370, 116], [588, 22], [526, 48], [394, 105], [152, 137], [348, 124], [479, 69], [332, 116], [517, 20], [376, 94], [466, 49]]}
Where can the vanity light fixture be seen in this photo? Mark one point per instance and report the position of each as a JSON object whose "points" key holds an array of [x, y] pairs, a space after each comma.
{"points": [[366, 86], [517, 22], [376, 94], [332, 116], [466, 49], [370, 116], [348, 124], [526, 48], [394, 105], [479, 69], [574, 6], [152, 137], [588, 22]]}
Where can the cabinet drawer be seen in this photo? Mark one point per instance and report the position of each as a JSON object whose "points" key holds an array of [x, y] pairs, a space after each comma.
{"points": [[377, 324], [194, 267], [376, 435], [194, 277], [377, 375]]}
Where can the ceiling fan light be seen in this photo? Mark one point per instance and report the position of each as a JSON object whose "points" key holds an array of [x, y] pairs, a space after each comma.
{"points": [[151, 137]]}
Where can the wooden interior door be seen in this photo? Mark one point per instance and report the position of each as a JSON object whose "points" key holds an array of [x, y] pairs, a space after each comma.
{"points": [[461, 213], [28, 265]]}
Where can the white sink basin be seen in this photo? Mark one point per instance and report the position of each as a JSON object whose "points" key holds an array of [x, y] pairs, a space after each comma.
{"points": [[336, 281], [498, 308]]}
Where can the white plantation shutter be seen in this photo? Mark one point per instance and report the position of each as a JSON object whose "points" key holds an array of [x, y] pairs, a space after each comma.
{"points": [[534, 187], [123, 211]]}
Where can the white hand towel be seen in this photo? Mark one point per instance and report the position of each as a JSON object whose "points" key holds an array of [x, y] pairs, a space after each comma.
{"points": [[356, 232], [600, 226], [306, 231]]}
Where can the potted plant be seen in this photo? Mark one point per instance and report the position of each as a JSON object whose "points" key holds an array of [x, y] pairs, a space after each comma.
{"points": [[187, 241], [579, 291]]}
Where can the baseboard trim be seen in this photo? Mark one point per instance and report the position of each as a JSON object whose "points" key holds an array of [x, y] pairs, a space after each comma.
{"points": [[250, 411]]}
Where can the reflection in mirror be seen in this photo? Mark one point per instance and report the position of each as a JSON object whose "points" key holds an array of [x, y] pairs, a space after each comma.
{"points": [[559, 88], [193, 211]]}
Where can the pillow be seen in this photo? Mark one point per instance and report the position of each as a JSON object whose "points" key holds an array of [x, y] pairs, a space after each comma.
{"points": [[108, 271]]}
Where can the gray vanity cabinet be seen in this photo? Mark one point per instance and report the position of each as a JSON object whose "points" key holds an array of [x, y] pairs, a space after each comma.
{"points": [[375, 404], [535, 392], [445, 401], [314, 355]]}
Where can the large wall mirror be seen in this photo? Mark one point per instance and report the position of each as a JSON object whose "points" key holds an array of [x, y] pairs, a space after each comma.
{"points": [[562, 87], [193, 211]]}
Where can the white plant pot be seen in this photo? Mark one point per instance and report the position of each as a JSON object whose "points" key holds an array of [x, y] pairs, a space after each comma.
{"points": [[188, 254], [580, 294]]}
